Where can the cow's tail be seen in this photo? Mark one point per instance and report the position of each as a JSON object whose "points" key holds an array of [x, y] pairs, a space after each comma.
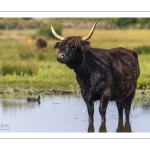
{"points": [[137, 64]]}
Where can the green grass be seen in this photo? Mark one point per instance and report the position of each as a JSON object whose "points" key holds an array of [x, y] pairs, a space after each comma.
{"points": [[50, 76], [16, 53], [20, 68], [144, 79]]}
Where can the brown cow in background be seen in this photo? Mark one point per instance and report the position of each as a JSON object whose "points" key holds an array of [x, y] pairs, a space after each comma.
{"points": [[41, 43]]}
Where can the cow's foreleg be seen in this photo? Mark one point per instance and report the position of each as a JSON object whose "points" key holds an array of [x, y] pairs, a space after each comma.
{"points": [[120, 109], [103, 106], [90, 107]]}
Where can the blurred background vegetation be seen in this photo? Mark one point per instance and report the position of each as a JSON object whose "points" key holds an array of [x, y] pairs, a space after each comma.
{"points": [[104, 23], [22, 66]]}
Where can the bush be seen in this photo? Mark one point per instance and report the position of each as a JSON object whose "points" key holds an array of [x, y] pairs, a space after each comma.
{"points": [[45, 30], [124, 22], [142, 49]]}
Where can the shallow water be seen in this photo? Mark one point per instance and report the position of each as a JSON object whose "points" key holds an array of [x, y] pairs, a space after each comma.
{"points": [[68, 114]]}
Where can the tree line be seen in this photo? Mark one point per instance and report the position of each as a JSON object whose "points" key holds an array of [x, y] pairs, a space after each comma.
{"points": [[104, 23]]}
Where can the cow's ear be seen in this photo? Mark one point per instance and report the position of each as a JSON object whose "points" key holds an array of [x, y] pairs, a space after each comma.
{"points": [[85, 45], [56, 45]]}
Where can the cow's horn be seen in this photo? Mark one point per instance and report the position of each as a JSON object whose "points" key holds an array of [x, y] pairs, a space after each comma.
{"points": [[91, 32], [56, 35]]}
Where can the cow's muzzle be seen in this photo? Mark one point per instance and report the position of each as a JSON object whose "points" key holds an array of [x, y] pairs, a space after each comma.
{"points": [[60, 57]]}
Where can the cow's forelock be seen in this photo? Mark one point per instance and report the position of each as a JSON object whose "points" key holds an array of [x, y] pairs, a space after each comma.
{"points": [[76, 41], [72, 42]]}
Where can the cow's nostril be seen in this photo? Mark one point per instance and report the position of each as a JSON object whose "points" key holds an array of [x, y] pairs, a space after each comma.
{"points": [[61, 57]]}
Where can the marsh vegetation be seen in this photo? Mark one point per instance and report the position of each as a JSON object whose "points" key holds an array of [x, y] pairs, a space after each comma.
{"points": [[23, 68]]}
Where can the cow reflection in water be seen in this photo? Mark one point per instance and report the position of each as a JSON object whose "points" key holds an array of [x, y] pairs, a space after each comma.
{"points": [[121, 127]]}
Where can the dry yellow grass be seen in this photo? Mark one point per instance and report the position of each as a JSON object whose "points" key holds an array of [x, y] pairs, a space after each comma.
{"points": [[113, 38], [101, 38]]}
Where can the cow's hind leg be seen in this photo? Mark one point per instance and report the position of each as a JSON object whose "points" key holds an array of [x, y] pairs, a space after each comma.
{"points": [[120, 127], [127, 104]]}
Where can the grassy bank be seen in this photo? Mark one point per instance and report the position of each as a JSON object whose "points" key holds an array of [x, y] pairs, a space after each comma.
{"points": [[17, 55]]}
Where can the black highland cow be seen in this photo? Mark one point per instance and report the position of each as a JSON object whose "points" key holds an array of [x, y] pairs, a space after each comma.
{"points": [[102, 74]]}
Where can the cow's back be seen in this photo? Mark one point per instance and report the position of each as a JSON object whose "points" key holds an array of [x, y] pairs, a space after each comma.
{"points": [[125, 69]]}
